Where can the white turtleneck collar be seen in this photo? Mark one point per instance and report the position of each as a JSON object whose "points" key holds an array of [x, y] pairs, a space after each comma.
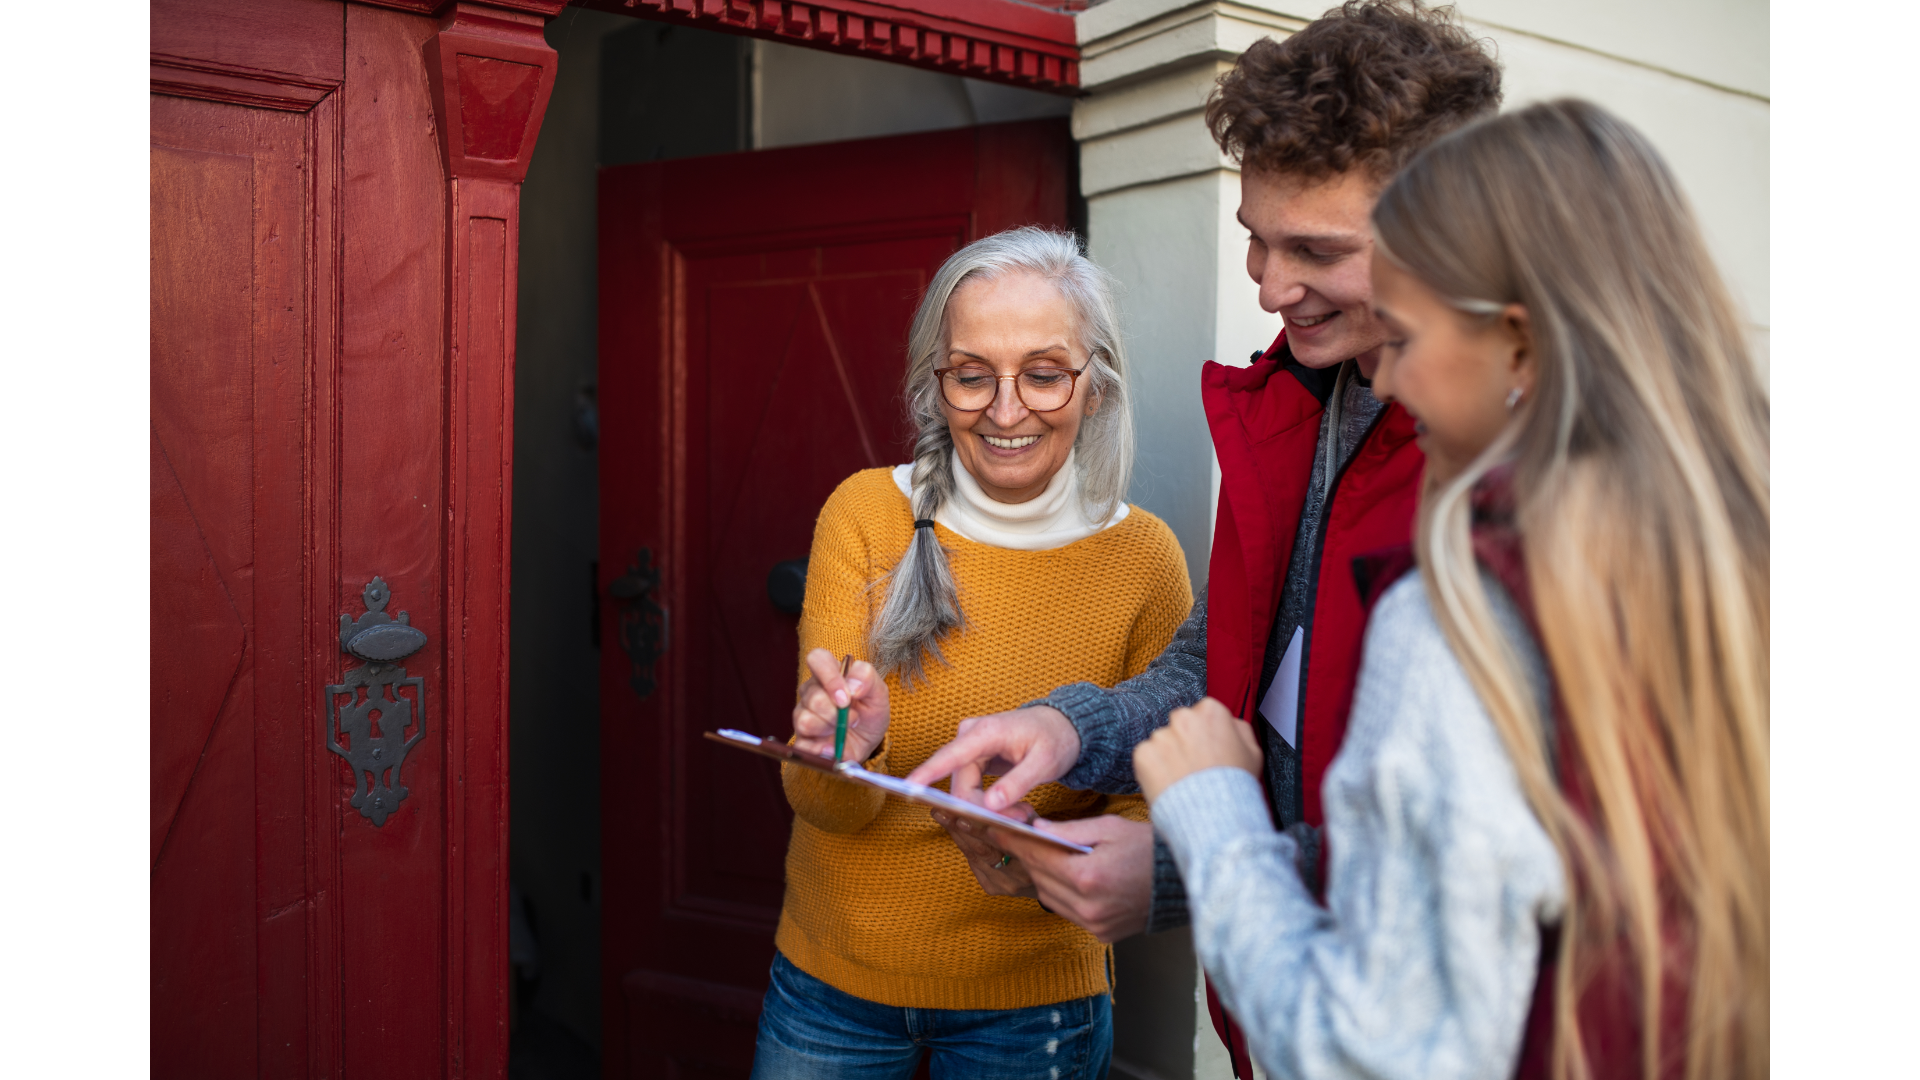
{"points": [[1054, 518]]}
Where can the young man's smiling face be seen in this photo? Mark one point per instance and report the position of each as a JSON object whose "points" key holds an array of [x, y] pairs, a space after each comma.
{"points": [[1309, 248]]}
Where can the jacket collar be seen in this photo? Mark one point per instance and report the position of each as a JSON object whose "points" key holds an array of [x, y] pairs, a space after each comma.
{"points": [[1265, 428]]}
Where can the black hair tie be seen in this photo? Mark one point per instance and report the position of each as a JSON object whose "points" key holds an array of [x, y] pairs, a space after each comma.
{"points": [[923, 523]]}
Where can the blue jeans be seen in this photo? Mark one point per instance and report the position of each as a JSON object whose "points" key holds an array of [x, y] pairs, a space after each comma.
{"points": [[809, 1029]]}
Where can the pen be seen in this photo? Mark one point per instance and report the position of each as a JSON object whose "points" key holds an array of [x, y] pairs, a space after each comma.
{"points": [[840, 716]]}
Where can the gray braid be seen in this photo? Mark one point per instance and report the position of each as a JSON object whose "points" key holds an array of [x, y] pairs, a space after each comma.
{"points": [[923, 603]]}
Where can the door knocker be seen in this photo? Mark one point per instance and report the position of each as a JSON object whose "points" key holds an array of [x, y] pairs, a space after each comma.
{"points": [[373, 690]]}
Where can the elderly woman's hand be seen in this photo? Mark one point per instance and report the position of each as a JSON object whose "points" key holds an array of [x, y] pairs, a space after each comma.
{"points": [[825, 692], [997, 874], [1202, 737]]}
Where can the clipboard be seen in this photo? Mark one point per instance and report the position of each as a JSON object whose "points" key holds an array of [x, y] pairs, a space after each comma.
{"points": [[851, 772]]}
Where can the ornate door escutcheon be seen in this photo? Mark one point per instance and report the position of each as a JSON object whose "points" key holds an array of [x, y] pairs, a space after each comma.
{"points": [[381, 640], [643, 620]]}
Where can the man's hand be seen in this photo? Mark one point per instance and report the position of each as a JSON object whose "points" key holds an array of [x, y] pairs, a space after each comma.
{"points": [[825, 692], [1108, 892], [1199, 738], [997, 875], [1024, 747]]}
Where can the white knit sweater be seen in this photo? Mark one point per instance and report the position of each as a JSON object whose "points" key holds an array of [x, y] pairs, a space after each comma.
{"points": [[1422, 963]]}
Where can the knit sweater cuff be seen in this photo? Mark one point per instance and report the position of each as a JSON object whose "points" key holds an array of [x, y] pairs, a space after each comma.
{"points": [[1106, 743], [1204, 812], [1168, 908]]}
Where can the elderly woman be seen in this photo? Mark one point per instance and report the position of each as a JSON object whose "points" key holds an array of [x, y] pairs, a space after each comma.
{"points": [[998, 564]]}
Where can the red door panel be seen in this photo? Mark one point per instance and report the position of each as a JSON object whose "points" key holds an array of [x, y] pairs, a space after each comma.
{"points": [[229, 857], [754, 313]]}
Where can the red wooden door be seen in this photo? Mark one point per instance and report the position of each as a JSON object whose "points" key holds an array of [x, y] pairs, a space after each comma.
{"points": [[753, 320], [230, 642], [331, 364]]}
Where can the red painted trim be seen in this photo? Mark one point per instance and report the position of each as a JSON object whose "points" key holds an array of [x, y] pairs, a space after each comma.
{"points": [[490, 72], [326, 799], [487, 131], [996, 40], [236, 85], [483, 245], [546, 9]]}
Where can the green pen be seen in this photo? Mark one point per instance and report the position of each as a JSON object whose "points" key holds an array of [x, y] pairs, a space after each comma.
{"points": [[840, 716]]}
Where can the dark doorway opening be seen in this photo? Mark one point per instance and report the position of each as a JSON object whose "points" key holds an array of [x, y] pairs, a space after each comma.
{"points": [[629, 90]]}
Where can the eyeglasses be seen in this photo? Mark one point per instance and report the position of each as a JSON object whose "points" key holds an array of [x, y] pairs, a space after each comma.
{"points": [[972, 387]]}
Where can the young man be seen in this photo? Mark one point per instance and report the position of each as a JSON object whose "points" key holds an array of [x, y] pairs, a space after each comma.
{"points": [[1315, 473]]}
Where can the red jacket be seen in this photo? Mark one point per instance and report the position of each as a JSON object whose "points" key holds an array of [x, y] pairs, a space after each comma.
{"points": [[1265, 427], [1608, 1010]]}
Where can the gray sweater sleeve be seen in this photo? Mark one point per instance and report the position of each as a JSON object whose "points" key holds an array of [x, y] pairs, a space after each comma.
{"points": [[1422, 962], [1168, 908], [1112, 722]]}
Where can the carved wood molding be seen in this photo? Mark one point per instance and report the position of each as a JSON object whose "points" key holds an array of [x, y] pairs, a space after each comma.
{"points": [[543, 8], [491, 73], [181, 76], [997, 40]]}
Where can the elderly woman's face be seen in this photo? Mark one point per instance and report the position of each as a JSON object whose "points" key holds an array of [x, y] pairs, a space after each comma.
{"points": [[1009, 324]]}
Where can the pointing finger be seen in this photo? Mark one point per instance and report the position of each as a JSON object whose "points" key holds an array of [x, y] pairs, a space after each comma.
{"points": [[1014, 785], [972, 747]]}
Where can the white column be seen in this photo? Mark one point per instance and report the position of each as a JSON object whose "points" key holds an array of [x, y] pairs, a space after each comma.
{"points": [[1160, 215]]}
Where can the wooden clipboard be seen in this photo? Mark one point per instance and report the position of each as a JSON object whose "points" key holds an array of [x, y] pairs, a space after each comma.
{"points": [[851, 772]]}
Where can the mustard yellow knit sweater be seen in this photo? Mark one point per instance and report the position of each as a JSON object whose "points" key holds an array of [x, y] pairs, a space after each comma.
{"points": [[879, 902]]}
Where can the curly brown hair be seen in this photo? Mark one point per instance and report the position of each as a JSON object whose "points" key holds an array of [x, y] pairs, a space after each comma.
{"points": [[1367, 85]]}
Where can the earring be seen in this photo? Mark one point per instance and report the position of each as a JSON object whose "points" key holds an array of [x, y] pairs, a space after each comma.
{"points": [[1513, 397]]}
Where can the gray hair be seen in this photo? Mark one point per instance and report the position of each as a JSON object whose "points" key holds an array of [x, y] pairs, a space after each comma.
{"points": [[922, 604]]}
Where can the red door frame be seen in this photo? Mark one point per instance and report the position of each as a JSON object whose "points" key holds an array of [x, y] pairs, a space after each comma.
{"points": [[382, 948], [483, 72]]}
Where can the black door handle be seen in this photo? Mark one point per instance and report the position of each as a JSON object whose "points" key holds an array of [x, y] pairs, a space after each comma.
{"points": [[787, 585], [643, 619]]}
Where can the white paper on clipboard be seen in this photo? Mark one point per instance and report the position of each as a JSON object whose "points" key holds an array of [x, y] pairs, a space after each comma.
{"points": [[953, 804], [892, 785]]}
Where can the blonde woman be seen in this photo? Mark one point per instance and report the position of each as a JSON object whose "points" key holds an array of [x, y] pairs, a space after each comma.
{"points": [[1549, 821], [1000, 563]]}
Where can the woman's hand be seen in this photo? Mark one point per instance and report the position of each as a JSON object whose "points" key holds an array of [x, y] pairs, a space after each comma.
{"points": [[1199, 738], [998, 874], [825, 692]]}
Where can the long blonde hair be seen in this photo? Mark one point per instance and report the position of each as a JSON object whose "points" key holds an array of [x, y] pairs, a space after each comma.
{"points": [[1640, 485]]}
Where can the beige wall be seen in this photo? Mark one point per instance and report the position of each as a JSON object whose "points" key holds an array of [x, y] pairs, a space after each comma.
{"points": [[1692, 75]]}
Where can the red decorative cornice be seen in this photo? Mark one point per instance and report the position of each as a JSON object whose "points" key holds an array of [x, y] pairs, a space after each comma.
{"points": [[1000, 40], [491, 72], [546, 9]]}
